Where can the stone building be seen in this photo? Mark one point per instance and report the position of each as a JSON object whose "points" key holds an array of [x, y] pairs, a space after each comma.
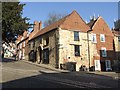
{"points": [[63, 41]]}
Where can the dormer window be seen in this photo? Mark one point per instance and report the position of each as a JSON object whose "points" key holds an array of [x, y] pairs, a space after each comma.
{"points": [[102, 37]]}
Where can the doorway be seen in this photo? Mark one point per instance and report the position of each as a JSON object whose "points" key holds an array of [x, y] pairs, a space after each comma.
{"points": [[46, 56], [103, 66]]}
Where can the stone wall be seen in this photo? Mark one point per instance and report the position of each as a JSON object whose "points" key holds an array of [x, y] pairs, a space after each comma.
{"points": [[66, 48]]}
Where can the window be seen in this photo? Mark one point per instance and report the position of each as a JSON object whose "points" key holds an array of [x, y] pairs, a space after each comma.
{"points": [[119, 39], [20, 45], [40, 39], [103, 52], [102, 37], [77, 50], [76, 36], [94, 38], [33, 44], [46, 41], [29, 46], [24, 44]]}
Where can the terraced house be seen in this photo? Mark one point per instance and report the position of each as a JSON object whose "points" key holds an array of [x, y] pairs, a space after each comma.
{"points": [[62, 41], [116, 33], [70, 39], [101, 46], [22, 48]]}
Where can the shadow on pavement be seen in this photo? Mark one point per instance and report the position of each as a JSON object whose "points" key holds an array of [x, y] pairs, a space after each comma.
{"points": [[61, 80], [8, 60]]}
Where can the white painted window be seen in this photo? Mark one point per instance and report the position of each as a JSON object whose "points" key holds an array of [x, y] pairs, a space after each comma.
{"points": [[102, 37], [94, 40], [108, 65], [97, 65], [103, 52]]}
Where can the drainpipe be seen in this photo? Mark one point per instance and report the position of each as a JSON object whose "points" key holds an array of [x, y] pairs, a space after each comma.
{"points": [[88, 47]]}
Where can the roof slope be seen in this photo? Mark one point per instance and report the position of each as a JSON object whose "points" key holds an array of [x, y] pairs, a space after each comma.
{"points": [[100, 26], [91, 23], [72, 21]]}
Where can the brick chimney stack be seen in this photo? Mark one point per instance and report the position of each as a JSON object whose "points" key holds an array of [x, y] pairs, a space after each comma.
{"points": [[36, 26], [40, 25]]}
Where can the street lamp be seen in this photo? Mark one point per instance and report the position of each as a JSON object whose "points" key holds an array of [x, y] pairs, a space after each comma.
{"points": [[88, 47]]}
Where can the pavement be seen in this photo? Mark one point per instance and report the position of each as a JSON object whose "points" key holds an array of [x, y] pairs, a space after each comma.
{"points": [[47, 67], [114, 75]]}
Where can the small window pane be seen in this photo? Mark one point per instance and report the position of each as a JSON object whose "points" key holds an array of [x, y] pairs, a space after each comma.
{"points": [[76, 36], [102, 37], [77, 50], [94, 38], [104, 53]]}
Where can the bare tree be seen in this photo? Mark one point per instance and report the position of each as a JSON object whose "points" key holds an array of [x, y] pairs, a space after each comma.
{"points": [[52, 17]]}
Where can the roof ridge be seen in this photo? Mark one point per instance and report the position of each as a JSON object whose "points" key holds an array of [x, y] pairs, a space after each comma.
{"points": [[95, 21]]}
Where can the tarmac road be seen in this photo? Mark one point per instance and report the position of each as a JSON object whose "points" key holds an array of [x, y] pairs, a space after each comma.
{"points": [[18, 74]]}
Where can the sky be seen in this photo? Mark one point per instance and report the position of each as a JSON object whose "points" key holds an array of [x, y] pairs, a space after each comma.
{"points": [[39, 10]]}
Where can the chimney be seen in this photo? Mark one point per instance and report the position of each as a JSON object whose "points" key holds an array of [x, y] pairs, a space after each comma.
{"points": [[90, 18], [94, 18], [40, 25], [36, 26]]}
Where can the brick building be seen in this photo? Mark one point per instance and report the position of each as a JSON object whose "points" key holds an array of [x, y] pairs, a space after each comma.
{"points": [[22, 46], [101, 46], [116, 33]]}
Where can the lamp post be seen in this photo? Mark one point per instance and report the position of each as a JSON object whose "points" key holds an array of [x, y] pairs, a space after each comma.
{"points": [[88, 47]]}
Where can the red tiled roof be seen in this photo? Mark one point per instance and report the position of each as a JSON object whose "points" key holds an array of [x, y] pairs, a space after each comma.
{"points": [[72, 21], [100, 26]]}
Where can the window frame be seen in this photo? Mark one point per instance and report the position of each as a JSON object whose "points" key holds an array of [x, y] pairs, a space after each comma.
{"points": [[103, 52], [94, 36], [76, 36], [102, 35], [77, 49]]}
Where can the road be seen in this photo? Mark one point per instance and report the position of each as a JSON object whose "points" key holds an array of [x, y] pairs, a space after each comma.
{"points": [[18, 74]]}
